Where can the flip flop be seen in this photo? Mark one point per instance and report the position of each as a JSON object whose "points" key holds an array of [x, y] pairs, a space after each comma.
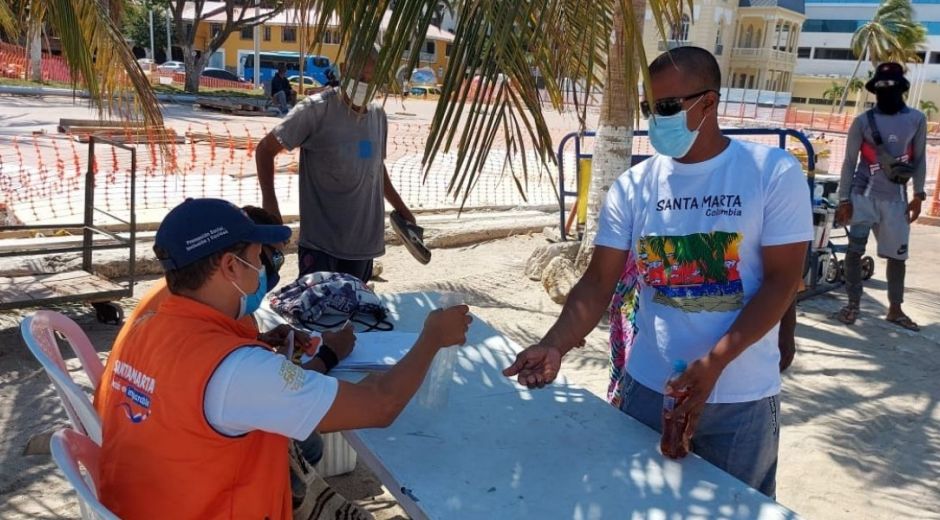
{"points": [[412, 235], [848, 314], [905, 322]]}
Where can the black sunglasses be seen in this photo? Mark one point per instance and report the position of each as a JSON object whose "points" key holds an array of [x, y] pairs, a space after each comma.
{"points": [[669, 106], [276, 258]]}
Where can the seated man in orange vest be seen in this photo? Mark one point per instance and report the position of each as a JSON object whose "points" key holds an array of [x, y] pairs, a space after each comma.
{"points": [[197, 412], [332, 345]]}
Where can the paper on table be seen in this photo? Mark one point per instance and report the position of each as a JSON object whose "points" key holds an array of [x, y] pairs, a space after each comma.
{"points": [[376, 350]]}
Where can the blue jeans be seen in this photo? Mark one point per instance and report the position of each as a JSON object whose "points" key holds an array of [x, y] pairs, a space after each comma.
{"points": [[740, 438]]}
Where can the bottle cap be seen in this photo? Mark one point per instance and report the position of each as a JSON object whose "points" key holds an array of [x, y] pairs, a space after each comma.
{"points": [[679, 366]]}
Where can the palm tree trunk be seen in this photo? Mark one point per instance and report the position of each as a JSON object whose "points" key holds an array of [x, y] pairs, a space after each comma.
{"points": [[35, 50], [845, 92], [614, 140]]}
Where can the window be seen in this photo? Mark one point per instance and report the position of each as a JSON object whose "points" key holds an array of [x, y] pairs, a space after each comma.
{"points": [[934, 58], [748, 40], [330, 37], [759, 39], [803, 52], [922, 56], [215, 29], [832, 26], [267, 33], [429, 47], [448, 49], [719, 48], [834, 54], [680, 31], [288, 34], [248, 33]]}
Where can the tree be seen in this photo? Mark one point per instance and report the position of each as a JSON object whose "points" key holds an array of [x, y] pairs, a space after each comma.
{"points": [[833, 94], [891, 35], [443, 7], [198, 12], [613, 150], [928, 107], [136, 25]]}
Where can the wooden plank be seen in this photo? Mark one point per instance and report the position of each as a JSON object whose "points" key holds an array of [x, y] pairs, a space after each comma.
{"points": [[24, 291], [65, 123]]}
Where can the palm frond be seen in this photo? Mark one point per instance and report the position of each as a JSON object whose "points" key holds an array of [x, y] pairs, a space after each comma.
{"points": [[489, 99], [8, 16], [100, 59], [893, 34]]}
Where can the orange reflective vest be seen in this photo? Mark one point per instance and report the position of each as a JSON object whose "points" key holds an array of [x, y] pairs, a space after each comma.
{"points": [[160, 456]]}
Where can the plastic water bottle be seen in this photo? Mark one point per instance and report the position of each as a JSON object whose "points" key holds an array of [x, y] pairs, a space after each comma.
{"points": [[435, 389], [673, 443]]}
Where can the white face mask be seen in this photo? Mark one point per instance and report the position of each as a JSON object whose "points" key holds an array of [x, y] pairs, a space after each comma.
{"points": [[358, 94]]}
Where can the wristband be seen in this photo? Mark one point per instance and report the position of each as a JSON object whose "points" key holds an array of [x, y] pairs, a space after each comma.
{"points": [[328, 357], [921, 196]]}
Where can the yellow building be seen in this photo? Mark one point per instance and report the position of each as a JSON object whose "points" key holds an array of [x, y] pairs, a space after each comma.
{"points": [[755, 41], [284, 32]]}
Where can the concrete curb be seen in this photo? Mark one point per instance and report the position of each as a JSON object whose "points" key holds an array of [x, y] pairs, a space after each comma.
{"points": [[52, 91]]}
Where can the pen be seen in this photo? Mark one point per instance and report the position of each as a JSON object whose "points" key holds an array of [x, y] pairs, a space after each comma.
{"points": [[290, 345]]}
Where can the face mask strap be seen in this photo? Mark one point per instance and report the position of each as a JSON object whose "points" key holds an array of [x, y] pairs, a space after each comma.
{"points": [[257, 270]]}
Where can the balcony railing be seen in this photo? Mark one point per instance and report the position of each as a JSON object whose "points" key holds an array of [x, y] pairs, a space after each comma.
{"points": [[764, 54]]}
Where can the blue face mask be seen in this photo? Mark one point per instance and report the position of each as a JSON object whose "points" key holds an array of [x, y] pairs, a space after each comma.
{"points": [[249, 303], [670, 135]]}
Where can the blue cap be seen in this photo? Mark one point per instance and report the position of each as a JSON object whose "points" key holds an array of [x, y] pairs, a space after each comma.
{"points": [[198, 228], [679, 366]]}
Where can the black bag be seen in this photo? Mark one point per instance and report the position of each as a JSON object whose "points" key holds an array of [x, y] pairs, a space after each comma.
{"points": [[897, 171]]}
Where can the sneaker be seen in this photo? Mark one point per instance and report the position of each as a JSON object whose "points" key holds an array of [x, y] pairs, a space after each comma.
{"points": [[412, 235]]}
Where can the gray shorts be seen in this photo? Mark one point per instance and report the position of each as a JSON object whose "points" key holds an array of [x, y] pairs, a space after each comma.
{"points": [[887, 219], [740, 438]]}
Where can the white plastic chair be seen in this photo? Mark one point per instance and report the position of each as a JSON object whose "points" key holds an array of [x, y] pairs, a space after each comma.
{"points": [[38, 332], [73, 451]]}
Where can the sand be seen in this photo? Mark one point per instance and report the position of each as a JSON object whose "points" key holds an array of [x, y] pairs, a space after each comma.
{"points": [[860, 416]]}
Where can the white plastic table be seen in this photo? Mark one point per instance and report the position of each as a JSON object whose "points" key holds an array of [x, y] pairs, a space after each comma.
{"points": [[499, 450]]}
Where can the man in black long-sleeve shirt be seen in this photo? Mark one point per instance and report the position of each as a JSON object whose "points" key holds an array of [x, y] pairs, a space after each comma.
{"points": [[281, 91]]}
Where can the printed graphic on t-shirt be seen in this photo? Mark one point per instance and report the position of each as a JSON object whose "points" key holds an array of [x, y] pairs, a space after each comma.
{"points": [[693, 273]]}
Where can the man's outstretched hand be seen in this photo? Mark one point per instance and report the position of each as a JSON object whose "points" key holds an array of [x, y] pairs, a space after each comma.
{"points": [[536, 366]]}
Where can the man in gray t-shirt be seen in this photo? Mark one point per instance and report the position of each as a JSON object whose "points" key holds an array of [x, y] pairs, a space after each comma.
{"points": [[870, 200], [343, 181]]}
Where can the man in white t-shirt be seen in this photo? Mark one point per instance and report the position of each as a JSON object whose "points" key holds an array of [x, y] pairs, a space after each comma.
{"points": [[719, 230]]}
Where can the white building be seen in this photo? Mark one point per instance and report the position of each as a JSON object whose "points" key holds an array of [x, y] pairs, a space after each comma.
{"points": [[825, 55]]}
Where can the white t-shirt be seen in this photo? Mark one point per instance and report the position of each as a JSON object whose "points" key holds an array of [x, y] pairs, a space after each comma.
{"points": [[256, 389], [697, 231]]}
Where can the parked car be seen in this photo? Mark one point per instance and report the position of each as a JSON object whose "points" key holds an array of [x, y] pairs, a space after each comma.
{"points": [[146, 64], [310, 84], [424, 91], [171, 66], [221, 74]]}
